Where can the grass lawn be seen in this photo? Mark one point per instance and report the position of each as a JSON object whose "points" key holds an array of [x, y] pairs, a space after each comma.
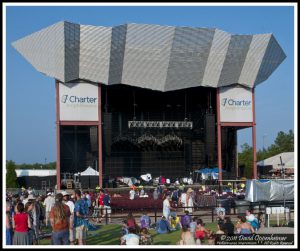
{"points": [[111, 234]]}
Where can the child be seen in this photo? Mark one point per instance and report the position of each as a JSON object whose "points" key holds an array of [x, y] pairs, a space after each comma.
{"points": [[193, 225]]}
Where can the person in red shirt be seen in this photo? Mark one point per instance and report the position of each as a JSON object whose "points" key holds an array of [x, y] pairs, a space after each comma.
{"points": [[131, 223], [21, 225], [100, 205], [60, 221]]}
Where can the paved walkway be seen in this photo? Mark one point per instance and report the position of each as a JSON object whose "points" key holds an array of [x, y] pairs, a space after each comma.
{"points": [[276, 230]]}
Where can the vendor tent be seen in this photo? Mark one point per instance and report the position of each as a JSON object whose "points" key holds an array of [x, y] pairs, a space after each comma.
{"points": [[275, 162], [89, 178], [89, 172]]}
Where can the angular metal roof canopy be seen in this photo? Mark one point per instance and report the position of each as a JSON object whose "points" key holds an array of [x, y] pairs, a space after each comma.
{"points": [[156, 57]]}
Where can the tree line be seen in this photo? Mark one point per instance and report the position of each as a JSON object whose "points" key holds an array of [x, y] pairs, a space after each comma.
{"points": [[11, 166], [284, 142]]}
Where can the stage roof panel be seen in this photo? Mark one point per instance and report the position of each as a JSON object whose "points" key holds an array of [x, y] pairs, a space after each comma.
{"points": [[156, 57]]}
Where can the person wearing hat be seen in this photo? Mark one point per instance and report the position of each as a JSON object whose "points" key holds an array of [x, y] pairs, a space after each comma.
{"points": [[70, 204], [48, 203], [59, 218]]}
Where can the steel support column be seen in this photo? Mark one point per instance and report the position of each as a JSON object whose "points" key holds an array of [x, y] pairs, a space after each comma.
{"points": [[219, 138], [58, 181], [100, 136], [254, 176]]}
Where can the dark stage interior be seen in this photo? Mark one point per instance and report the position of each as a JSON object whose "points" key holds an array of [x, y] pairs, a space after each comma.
{"points": [[172, 152]]}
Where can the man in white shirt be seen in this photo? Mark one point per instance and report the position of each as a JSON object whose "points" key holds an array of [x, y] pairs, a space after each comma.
{"points": [[48, 203], [183, 200], [70, 204]]}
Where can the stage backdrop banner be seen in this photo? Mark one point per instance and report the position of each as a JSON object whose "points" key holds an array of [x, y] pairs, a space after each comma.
{"points": [[78, 102], [236, 104]]}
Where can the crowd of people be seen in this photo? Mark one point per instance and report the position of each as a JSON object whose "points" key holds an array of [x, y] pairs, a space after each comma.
{"points": [[67, 214], [193, 229]]}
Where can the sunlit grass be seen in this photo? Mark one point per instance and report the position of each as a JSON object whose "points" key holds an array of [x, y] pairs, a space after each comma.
{"points": [[111, 234]]}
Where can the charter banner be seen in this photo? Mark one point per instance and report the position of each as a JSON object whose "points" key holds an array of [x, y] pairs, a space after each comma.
{"points": [[78, 102], [236, 104]]}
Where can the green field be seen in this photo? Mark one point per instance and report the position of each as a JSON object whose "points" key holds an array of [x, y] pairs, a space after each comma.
{"points": [[111, 234]]}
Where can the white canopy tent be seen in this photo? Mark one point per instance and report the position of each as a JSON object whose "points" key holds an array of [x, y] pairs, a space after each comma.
{"points": [[274, 161], [35, 172], [89, 172]]}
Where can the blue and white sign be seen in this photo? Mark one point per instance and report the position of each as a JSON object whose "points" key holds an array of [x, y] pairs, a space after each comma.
{"points": [[78, 102], [236, 104]]}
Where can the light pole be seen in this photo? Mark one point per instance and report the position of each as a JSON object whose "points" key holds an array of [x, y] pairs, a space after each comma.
{"points": [[264, 136], [283, 173]]}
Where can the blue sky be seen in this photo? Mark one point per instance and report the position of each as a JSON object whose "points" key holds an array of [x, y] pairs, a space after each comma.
{"points": [[30, 95]]}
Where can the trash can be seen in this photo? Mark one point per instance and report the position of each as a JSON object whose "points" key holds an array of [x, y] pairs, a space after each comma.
{"points": [[242, 206], [225, 203]]}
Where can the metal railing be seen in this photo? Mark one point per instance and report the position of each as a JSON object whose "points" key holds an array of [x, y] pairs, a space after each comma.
{"points": [[209, 211]]}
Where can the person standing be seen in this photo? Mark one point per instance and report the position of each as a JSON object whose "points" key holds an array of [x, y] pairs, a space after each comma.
{"points": [[59, 219], [183, 201], [190, 200], [80, 213], [21, 224], [100, 205], [106, 206], [28, 209], [8, 224], [167, 207], [36, 213], [70, 204], [48, 203]]}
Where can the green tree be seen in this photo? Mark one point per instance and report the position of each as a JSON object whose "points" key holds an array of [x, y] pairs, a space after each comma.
{"points": [[246, 159], [284, 142], [11, 175]]}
